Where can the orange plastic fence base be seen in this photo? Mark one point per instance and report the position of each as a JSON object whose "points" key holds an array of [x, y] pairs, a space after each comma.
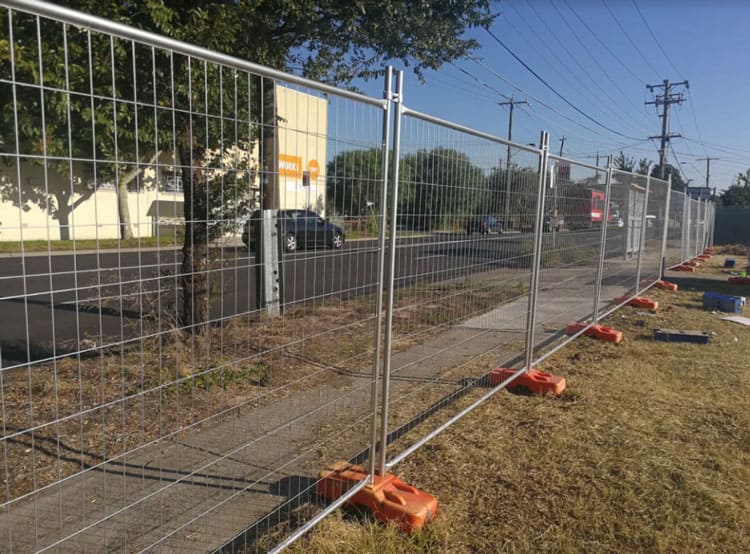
{"points": [[597, 331], [692, 263], [708, 251], [739, 280], [703, 257], [536, 382], [388, 498], [666, 285], [681, 267], [639, 302]]}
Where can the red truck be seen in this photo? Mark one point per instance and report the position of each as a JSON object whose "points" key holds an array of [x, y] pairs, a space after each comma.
{"points": [[582, 207]]}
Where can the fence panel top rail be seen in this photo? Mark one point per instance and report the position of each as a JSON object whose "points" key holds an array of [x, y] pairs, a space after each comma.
{"points": [[468, 130], [81, 19]]}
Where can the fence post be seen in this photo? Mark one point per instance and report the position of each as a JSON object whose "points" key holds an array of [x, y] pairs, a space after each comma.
{"points": [[398, 98], [602, 242], [665, 231], [387, 95], [537, 258], [642, 238], [698, 225], [686, 227]]}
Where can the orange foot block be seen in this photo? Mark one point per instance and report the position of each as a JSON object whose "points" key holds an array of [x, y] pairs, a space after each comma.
{"points": [[597, 331], [534, 381], [682, 267], [639, 302], [692, 263], [703, 257], [708, 251], [666, 285], [388, 497]]}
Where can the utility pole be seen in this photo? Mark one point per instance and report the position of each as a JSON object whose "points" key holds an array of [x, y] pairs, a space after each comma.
{"points": [[562, 144], [708, 167], [512, 102], [666, 99]]}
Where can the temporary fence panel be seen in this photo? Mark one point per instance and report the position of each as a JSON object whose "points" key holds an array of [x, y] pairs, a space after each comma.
{"points": [[576, 208], [675, 230], [650, 263], [179, 396], [624, 238], [462, 272]]}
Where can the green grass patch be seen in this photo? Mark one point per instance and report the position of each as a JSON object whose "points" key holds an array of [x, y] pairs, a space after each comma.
{"points": [[14, 247]]}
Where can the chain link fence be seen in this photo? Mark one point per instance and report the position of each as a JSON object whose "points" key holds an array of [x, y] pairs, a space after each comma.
{"points": [[225, 278]]}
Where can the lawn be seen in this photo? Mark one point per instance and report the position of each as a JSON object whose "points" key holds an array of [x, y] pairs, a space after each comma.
{"points": [[648, 450], [14, 247]]}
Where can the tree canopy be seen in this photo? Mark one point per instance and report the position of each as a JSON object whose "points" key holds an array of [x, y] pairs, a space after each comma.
{"points": [[738, 194], [334, 41]]}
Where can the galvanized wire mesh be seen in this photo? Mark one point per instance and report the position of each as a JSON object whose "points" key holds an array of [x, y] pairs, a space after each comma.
{"points": [[575, 211], [624, 238], [182, 390], [653, 233], [462, 271], [675, 230], [150, 398]]}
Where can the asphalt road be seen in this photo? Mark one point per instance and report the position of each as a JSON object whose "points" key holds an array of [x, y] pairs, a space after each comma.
{"points": [[58, 304]]}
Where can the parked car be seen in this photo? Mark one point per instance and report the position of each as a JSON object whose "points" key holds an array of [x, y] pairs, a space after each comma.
{"points": [[299, 229], [553, 222], [484, 224]]}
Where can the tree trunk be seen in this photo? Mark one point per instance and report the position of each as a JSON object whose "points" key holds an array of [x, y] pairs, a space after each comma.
{"points": [[123, 211], [194, 269], [62, 213], [269, 179]]}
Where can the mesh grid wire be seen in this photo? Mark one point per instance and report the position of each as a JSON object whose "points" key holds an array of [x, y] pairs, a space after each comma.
{"points": [[167, 393], [131, 422], [656, 219], [675, 230], [628, 193], [571, 248], [462, 272]]}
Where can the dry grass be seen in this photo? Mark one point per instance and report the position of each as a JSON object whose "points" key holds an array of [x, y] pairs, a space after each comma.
{"points": [[175, 382], [648, 451]]}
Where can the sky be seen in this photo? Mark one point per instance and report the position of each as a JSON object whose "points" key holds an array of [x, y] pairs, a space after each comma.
{"points": [[603, 69]]}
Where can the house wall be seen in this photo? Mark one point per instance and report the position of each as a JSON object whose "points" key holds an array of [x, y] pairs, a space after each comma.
{"points": [[302, 160], [302, 149]]}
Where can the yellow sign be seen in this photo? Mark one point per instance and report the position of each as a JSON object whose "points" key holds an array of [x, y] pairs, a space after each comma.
{"points": [[290, 166], [314, 169]]}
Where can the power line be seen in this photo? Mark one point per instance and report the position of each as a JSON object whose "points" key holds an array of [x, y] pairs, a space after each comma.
{"points": [[695, 121], [656, 40], [521, 90], [604, 44], [551, 88], [584, 72], [720, 148], [478, 80], [572, 82], [627, 36], [593, 58]]}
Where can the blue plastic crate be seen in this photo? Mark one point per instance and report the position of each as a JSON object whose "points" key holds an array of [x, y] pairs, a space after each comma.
{"points": [[722, 302], [729, 262]]}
